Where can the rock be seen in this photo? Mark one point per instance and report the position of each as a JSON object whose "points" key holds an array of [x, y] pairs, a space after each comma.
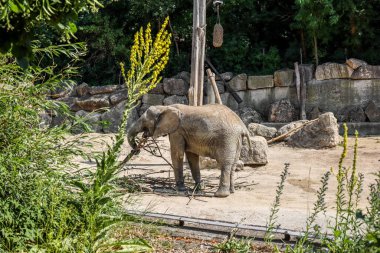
{"points": [[142, 109], [59, 119], [176, 100], [112, 118], [248, 115], [307, 71], [366, 72], [153, 99], [284, 78], [314, 113], [227, 76], [64, 90], [351, 113], [91, 119], [82, 89], [289, 127], [355, 63], [323, 133], [118, 96], [221, 88], [45, 120], [184, 76], [94, 102], [239, 82], [159, 89], [261, 130], [207, 88], [94, 90], [372, 112], [71, 103], [174, 86], [259, 154], [333, 71], [259, 82], [282, 111]]}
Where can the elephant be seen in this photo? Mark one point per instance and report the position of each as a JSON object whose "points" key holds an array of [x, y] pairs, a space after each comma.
{"points": [[213, 131]]}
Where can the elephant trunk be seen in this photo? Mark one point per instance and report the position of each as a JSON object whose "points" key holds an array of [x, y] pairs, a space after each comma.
{"points": [[132, 133]]}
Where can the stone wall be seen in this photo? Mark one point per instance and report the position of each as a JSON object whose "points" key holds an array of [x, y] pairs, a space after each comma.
{"points": [[351, 91]]}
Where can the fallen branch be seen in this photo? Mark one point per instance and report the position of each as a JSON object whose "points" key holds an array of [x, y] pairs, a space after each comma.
{"points": [[290, 133]]}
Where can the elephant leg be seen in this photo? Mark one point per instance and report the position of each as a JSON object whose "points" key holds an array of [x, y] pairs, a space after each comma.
{"points": [[232, 178], [195, 169], [225, 183], [177, 150]]}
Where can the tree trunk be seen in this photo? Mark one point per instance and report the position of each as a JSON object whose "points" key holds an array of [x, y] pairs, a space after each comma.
{"points": [[315, 42]]}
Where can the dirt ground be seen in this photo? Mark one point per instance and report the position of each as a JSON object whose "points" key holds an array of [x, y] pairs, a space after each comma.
{"points": [[255, 186]]}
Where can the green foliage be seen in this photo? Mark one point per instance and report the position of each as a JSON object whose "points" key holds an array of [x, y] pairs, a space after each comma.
{"points": [[271, 223], [19, 19], [233, 245], [44, 205], [33, 200], [352, 231]]}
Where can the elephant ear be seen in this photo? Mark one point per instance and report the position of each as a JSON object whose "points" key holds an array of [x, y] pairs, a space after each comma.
{"points": [[167, 122]]}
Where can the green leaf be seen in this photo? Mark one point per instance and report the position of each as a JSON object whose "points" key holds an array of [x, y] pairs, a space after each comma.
{"points": [[73, 27], [14, 7]]}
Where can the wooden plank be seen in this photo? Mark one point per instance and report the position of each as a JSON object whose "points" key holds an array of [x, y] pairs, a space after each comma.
{"points": [[202, 46], [211, 77], [194, 57]]}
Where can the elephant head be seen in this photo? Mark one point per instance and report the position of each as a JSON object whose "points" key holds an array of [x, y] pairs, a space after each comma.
{"points": [[156, 121]]}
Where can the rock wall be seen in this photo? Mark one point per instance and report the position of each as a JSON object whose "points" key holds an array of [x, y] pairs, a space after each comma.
{"points": [[351, 91]]}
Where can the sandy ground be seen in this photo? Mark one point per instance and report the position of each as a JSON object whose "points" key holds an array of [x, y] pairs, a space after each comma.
{"points": [[255, 193]]}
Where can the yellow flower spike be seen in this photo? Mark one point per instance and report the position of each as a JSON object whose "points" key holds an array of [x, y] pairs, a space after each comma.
{"points": [[147, 60]]}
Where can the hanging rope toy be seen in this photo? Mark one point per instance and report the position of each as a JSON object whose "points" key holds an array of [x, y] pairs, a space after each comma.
{"points": [[217, 35]]}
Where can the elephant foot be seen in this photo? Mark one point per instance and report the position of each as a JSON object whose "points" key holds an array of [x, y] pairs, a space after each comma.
{"points": [[197, 188], [222, 193], [180, 186], [232, 189]]}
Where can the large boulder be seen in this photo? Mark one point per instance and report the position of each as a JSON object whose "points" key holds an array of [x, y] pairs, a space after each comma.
{"points": [[118, 96], [143, 109], [284, 77], [351, 113], [355, 63], [71, 103], [94, 102], [333, 71], [372, 112], [259, 82], [239, 82], [248, 115], [82, 89], [227, 76], [159, 89], [176, 100], [153, 99], [112, 118], [282, 111], [289, 127], [261, 130], [366, 72], [94, 90], [322, 133], [175, 86], [259, 155], [184, 76]]}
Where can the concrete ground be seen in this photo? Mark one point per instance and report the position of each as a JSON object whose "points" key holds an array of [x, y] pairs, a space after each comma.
{"points": [[255, 187]]}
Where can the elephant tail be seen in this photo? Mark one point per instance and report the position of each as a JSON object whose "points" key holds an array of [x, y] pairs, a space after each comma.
{"points": [[246, 134]]}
